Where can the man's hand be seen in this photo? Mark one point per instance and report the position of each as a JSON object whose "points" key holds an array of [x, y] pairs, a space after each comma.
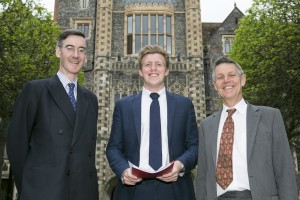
{"points": [[173, 175], [128, 178]]}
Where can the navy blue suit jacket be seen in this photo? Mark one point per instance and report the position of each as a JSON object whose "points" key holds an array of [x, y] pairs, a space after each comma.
{"points": [[50, 147], [125, 139]]}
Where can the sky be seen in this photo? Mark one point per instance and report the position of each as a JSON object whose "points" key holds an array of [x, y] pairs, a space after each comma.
{"points": [[211, 10]]}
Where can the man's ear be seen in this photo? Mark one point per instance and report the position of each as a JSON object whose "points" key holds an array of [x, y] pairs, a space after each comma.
{"points": [[243, 80], [167, 72], [140, 73], [58, 52], [215, 86]]}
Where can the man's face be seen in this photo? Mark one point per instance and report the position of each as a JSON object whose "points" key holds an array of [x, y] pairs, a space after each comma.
{"points": [[229, 83], [71, 55], [153, 71]]}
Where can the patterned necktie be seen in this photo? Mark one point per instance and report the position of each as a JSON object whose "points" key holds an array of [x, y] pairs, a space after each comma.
{"points": [[224, 172], [155, 155], [71, 95]]}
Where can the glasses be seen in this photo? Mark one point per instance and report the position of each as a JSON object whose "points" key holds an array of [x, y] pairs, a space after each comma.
{"points": [[72, 49]]}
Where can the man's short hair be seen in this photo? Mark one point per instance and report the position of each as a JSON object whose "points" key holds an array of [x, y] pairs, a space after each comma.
{"points": [[225, 59], [66, 34], [152, 49]]}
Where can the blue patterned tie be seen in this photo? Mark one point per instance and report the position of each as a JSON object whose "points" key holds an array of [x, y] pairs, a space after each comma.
{"points": [[155, 155], [71, 95]]}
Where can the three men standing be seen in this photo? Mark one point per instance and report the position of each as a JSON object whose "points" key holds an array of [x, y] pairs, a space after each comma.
{"points": [[243, 149]]}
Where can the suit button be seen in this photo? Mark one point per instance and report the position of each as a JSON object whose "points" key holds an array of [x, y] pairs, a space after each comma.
{"points": [[60, 131], [68, 172], [90, 154], [91, 173]]}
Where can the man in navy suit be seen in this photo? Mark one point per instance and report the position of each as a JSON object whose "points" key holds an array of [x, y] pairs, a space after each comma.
{"points": [[130, 136], [52, 135]]}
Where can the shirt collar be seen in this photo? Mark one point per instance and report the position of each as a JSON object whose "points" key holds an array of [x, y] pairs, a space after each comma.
{"points": [[64, 80], [160, 92], [241, 107]]}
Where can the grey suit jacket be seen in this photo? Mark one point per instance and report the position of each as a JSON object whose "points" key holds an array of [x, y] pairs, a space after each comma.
{"points": [[270, 164], [50, 147]]}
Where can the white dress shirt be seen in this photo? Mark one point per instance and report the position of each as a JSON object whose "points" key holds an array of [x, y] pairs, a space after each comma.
{"points": [[239, 155], [145, 117]]}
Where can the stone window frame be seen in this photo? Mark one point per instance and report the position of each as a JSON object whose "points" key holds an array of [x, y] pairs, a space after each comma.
{"points": [[227, 41], [84, 4], [88, 22], [146, 9]]}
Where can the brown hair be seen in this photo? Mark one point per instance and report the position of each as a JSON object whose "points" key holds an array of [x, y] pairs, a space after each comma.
{"points": [[152, 49]]}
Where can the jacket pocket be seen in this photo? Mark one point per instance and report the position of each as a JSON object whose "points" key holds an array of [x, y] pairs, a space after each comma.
{"points": [[274, 197]]}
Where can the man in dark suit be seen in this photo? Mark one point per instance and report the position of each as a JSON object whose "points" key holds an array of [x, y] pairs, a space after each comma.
{"points": [[130, 139], [256, 162], [52, 135]]}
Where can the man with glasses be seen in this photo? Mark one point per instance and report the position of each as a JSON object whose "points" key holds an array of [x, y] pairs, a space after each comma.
{"points": [[52, 135]]}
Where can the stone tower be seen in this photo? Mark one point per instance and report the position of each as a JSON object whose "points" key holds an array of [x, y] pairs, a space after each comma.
{"points": [[116, 31]]}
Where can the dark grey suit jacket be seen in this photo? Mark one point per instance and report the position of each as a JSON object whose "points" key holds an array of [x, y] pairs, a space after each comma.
{"points": [[270, 164], [50, 147]]}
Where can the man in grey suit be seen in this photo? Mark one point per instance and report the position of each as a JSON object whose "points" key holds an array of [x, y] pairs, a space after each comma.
{"points": [[259, 163], [52, 135]]}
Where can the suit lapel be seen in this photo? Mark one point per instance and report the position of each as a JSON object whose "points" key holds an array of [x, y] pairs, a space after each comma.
{"points": [[81, 113], [214, 126], [61, 99], [253, 117], [136, 107], [171, 104]]}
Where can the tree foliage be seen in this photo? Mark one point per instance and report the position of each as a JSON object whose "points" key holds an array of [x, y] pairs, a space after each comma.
{"points": [[267, 46], [27, 48], [27, 45]]}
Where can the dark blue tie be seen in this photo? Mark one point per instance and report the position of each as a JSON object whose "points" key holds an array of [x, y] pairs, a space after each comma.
{"points": [[155, 155], [71, 95]]}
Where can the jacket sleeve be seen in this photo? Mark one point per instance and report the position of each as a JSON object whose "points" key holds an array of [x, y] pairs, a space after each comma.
{"points": [[283, 161], [202, 167], [190, 155], [19, 132]]}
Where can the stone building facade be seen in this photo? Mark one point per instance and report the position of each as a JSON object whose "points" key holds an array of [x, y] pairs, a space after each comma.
{"points": [[111, 70], [217, 41], [116, 31]]}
